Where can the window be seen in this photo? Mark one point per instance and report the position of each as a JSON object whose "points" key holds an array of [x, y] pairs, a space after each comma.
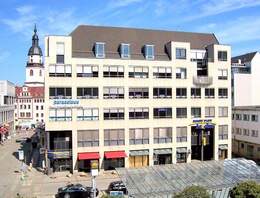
{"points": [[254, 118], [88, 138], [40, 73], [238, 117], [87, 92], [138, 92], [31, 72], [162, 72], [138, 72], [223, 93], [254, 133], [87, 114], [209, 112], [162, 112], [223, 111], [162, 135], [181, 134], [246, 117], [222, 74], [114, 114], [60, 93], [195, 93], [195, 112], [180, 53], [37, 115], [162, 92], [87, 71], [28, 114], [114, 137], [60, 114], [41, 107], [100, 50], [60, 53], [29, 106], [113, 92], [181, 112], [181, 93], [223, 132], [22, 114], [238, 131], [149, 52], [209, 93], [138, 136], [246, 132], [181, 73], [125, 50], [139, 113], [113, 71], [59, 70], [181, 155], [222, 55], [37, 107], [42, 115]]}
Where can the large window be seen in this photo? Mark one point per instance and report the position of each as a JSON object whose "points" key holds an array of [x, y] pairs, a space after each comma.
{"points": [[254, 118], [138, 72], [114, 137], [181, 112], [209, 92], [195, 112], [223, 132], [113, 92], [60, 114], [210, 112], [246, 117], [222, 55], [87, 71], [139, 136], [162, 135], [222, 74], [60, 70], [181, 73], [254, 133], [60, 93], [100, 50], [87, 92], [125, 50], [60, 48], [139, 113], [88, 138], [149, 52], [180, 53], [87, 114], [162, 112], [181, 134], [113, 71], [223, 111], [195, 93], [181, 92], [162, 72], [223, 93], [162, 92], [139, 92], [114, 114]]}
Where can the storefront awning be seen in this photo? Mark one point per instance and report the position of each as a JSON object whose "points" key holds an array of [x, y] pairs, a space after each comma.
{"points": [[223, 147], [162, 151], [181, 150], [115, 154], [88, 155], [139, 152]]}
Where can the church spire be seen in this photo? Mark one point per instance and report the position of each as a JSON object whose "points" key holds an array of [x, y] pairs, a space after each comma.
{"points": [[35, 48]]}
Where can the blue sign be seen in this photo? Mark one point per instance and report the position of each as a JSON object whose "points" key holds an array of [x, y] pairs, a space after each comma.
{"points": [[116, 193]]}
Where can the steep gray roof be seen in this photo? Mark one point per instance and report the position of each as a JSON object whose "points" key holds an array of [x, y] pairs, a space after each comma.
{"points": [[244, 57], [85, 36], [35, 48]]}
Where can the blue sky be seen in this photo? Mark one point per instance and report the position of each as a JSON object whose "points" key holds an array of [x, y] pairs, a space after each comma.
{"points": [[235, 22]]}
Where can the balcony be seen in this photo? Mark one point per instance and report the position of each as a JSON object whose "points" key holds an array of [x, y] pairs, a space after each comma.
{"points": [[202, 80]]}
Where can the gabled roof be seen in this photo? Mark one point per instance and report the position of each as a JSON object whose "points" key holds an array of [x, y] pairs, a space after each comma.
{"points": [[244, 57], [35, 92], [84, 37]]}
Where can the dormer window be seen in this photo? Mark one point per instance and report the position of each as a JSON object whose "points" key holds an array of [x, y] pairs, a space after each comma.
{"points": [[149, 52], [125, 50], [100, 50]]}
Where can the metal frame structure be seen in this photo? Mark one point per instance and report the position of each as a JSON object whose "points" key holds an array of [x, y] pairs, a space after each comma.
{"points": [[166, 180]]}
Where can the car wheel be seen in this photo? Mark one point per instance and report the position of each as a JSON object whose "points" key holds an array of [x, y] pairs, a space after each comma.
{"points": [[67, 195]]}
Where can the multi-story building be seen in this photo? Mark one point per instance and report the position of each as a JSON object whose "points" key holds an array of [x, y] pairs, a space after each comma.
{"points": [[127, 97], [7, 98], [246, 127], [30, 97]]}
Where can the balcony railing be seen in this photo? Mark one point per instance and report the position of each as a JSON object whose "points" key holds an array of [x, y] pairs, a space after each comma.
{"points": [[202, 80]]}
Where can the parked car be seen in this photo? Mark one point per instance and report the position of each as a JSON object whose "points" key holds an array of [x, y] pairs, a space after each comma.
{"points": [[117, 186], [75, 191]]}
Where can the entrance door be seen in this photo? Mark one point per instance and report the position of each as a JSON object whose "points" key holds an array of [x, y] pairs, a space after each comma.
{"points": [[164, 159]]}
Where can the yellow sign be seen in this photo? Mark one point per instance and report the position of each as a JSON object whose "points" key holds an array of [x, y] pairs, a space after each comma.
{"points": [[204, 141], [94, 164]]}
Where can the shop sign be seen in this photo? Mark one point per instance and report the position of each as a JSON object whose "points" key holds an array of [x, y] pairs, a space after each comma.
{"points": [[207, 121], [66, 103]]}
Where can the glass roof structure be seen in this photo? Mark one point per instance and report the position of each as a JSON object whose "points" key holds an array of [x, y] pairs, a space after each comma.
{"points": [[166, 180]]}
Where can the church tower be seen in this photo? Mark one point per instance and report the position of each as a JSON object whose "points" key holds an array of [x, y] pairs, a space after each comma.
{"points": [[34, 67]]}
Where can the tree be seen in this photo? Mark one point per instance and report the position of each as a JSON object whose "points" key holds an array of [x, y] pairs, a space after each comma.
{"points": [[248, 189], [193, 192]]}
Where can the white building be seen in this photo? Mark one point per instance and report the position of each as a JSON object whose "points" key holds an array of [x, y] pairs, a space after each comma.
{"points": [[7, 98], [125, 97]]}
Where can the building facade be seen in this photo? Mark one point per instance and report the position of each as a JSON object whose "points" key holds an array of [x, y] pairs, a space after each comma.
{"points": [[7, 99], [127, 97], [245, 130], [29, 109]]}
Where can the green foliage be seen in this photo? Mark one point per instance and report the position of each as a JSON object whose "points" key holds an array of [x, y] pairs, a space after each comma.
{"points": [[248, 189], [108, 196], [193, 192]]}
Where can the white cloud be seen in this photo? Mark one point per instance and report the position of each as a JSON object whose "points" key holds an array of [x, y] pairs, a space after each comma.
{"points": [[4, 55], [122, 3], [25, 9]]}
